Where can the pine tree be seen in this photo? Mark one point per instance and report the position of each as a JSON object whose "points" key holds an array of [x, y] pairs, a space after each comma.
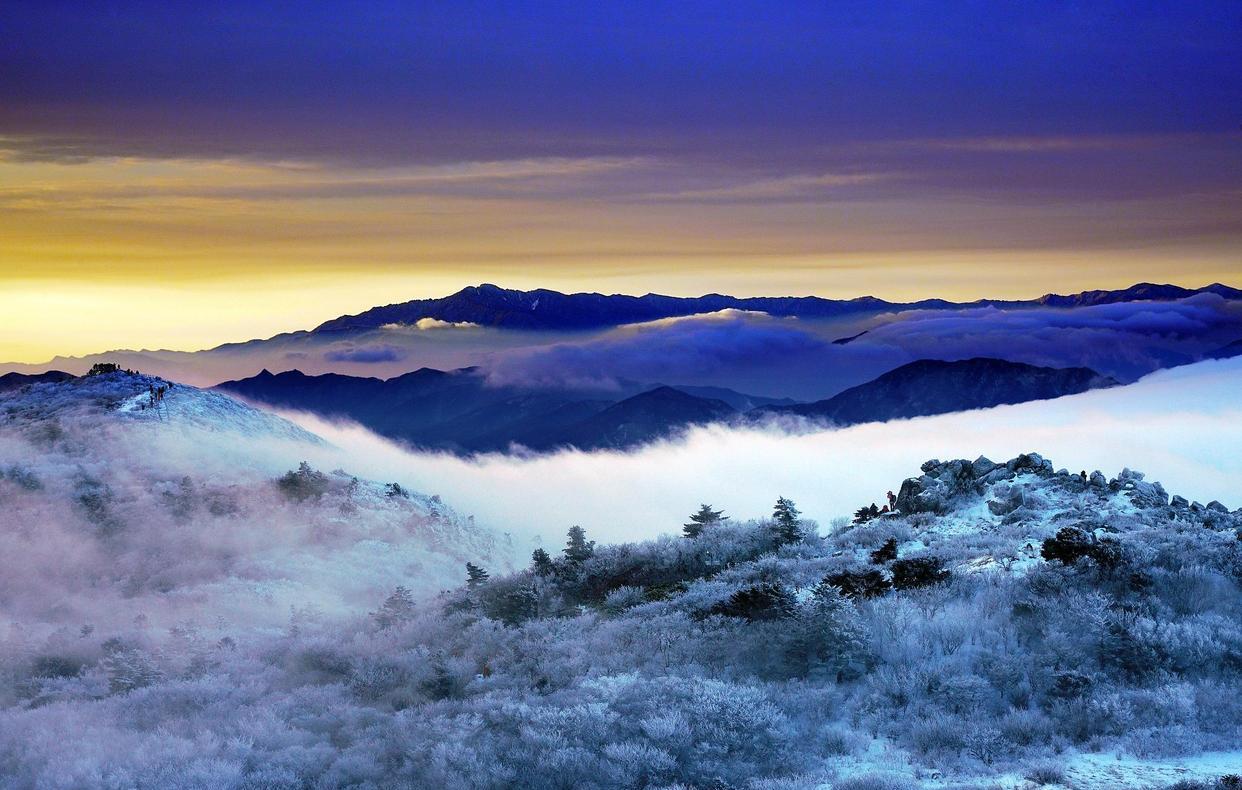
{"points": [[541, 562], [397, 608], [475, 575], [578, 549], [706, 517], [787, 522]]}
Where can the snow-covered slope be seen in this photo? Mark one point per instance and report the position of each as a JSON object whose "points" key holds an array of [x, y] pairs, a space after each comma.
{"points": [[1013, 626], [128, 498], [145, 399]]}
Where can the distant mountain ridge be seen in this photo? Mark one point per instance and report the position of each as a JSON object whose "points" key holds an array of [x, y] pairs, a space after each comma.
{"points": [[543, 309], [459, 411], [930, 386]]}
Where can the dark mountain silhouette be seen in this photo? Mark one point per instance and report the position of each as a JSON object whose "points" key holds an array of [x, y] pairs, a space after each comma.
{"points": [[459, 411], [542, 309], [648, 416], [931, 386], [12, 381]]}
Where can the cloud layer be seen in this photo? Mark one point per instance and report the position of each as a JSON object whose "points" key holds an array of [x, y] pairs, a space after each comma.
{"points": [[1182, 427]]}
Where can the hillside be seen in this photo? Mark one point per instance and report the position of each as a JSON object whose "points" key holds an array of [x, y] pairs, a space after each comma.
{"points": [[929, 387], [129, 496], [1012, 621]]}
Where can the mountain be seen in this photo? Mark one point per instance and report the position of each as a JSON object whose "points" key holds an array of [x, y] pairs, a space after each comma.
{"points": [[928, 386], [543, 309], [460, 411], [646, 417], [127, 496]]}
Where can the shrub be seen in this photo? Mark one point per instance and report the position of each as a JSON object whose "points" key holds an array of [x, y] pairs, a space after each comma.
{"points": [[886, 552], [1046, 774], [304, 483], [918, 572], [759, 602], [859, 584]]}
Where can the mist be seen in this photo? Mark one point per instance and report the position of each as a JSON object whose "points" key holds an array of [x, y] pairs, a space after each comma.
{"points": [[1182, 427]]}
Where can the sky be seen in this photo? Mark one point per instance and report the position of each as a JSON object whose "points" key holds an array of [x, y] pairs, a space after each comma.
{"points": [[178, 174]]}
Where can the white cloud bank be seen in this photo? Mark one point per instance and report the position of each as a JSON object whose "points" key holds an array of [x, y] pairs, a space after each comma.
{"points": [[1183, 427]]}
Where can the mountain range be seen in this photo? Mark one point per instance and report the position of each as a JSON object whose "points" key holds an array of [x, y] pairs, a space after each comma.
{"points": [[459, 411], [543, 309]]}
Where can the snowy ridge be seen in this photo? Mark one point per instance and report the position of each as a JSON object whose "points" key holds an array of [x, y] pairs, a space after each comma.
{"points": [[146, 399]]}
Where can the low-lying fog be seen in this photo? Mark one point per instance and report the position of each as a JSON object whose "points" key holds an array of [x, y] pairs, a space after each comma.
{"points": [[1182, 427]]}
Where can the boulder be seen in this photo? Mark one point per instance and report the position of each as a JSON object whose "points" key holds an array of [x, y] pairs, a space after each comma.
{"points": [[1179, 502], [982, 466], [1098, 480]]}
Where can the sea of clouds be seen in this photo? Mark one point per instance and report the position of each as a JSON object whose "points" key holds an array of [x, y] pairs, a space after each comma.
{"points": [[1182, 427]]}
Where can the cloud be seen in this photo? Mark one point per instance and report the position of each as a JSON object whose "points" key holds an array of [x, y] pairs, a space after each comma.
{"points": [[1182, 427], [739, 346], [784, 188], [1060, 143], [1125, 340], [366, 354], [425, 324], [766, 355]]}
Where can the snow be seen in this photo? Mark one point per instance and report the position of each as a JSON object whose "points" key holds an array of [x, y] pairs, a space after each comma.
{"points": [[1104, 770]]}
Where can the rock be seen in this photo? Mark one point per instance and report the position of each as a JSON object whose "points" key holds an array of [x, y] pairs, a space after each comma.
{"points": [[998, 474], [1217, 507], [1129, 474], [1033, 462], [1098, 479], [982, 466], [928, 466], [1144, 494], [1179, 502]]}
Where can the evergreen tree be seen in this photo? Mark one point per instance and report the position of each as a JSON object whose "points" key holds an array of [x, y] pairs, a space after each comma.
{"points": [[787, 522], [397, 608], [578, 549], [541, 562], [706, 517], [475, 575], [865, 514], [886, 553]]}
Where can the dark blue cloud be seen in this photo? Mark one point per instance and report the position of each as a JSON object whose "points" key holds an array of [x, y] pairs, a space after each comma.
{"points": [[753, 79], [767, 356], [366, 354]]}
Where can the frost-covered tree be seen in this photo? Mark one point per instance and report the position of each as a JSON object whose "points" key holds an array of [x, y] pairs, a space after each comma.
{"points": [[704, 518], [827, 637], [475, 575], [786, 522], [303, 483], [578, 549], [397, 608]]}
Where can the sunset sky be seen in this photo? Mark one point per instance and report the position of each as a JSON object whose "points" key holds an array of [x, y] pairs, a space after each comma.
{"points": [[184, 174]]}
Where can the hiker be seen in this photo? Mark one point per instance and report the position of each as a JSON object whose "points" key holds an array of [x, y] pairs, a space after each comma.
{"points": [[892, 500], [1083, 475]]}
